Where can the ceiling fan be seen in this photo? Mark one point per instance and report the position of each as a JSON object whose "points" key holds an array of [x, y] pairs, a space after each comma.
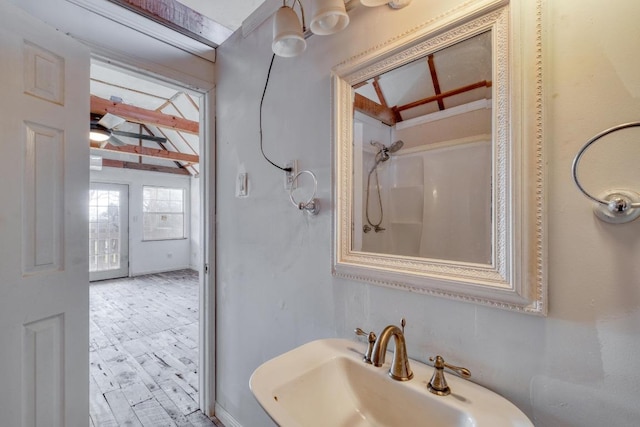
{"points": [[103, 130]]}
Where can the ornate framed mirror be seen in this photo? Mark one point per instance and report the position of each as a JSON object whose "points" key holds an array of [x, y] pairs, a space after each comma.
{"points": [[438, 161]]}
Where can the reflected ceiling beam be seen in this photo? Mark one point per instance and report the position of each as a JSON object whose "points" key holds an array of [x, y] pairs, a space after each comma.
{"points": [[373, 109], [434, 79], [143, 166], [135, 150], [383, 100], [180, 18], [378, 89], [484, 83], [141, 115]]}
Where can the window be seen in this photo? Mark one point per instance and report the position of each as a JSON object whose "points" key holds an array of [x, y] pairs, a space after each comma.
{"points": [[104, 229], [163, 213]]}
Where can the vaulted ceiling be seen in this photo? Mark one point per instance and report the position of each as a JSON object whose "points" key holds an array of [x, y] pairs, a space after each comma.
{"points": [[160, 127], [456, 75], [155, 126]]}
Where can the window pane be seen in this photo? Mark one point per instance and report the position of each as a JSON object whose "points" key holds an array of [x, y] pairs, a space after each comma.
{"points": [[149, 193], [103, 213], [176, 194], [175, 207], [114, 261], [163, 193], [114, 198], [163, 213], [103, 262], [103, 198]]}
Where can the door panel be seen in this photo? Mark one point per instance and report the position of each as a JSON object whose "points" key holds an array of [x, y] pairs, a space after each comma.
{"points": [[44, 79], [108, 231]]}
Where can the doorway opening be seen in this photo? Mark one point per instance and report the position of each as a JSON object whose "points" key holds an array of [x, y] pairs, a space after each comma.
{"points": [[147, 250]]}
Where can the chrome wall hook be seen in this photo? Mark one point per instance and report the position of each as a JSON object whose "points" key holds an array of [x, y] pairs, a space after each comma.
{"points": [[311, 206], [614, 206]]}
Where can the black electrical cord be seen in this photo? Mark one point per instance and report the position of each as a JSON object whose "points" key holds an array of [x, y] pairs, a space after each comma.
{"points": [[261, 102]]}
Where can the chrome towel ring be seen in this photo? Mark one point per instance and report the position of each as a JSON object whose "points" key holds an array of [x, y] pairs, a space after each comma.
{"points": [[311, 206], [616, 206]]}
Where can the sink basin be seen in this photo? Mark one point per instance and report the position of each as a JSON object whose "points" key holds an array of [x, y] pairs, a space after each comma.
{"points": [[326, 383]]}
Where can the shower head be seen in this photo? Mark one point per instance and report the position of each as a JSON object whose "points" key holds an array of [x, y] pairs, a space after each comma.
{"points": [[396, 146], [391, 149], [384, 152]]}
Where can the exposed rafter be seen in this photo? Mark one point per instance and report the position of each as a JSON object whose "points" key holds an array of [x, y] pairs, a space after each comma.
{"points": [[434, 79], [383, 100], [180, 18], [484, 83], [375, 110], [141, 115], [143, 166], [147, 152]]}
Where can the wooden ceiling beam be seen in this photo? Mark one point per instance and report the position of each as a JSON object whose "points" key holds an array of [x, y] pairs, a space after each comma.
{"points": [[180, 18], [147, 152], [378, 89], [160, 144], [110, 163], [141, 115], [373, 109], [383, 101], [434, 79], [484, 83]]}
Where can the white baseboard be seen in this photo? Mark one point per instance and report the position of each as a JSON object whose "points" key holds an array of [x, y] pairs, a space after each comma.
{"points": [[166, 270], [225, 418]]}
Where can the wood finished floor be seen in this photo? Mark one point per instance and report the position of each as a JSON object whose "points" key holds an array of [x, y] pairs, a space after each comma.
{"points": [[144, 352]]}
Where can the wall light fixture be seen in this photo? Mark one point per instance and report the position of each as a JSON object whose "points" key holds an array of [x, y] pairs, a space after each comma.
{"points": [[328, 17]]}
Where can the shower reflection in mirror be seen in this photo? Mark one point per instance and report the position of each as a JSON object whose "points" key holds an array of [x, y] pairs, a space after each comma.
{"points": [[422, 157], [383, 154]]}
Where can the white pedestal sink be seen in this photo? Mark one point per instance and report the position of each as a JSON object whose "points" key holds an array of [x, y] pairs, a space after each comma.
{"points": [[325, 383]]}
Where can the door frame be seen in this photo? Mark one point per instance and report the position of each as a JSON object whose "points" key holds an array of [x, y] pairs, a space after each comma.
{"points": [[206, 269], [117, 36]]}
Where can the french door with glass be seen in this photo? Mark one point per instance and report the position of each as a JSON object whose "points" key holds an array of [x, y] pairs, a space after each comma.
{"points": [[108, 231]]}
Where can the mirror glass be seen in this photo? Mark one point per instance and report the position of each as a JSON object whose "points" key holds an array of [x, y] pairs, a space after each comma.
{"points": [[416, 127], [438, 159]]}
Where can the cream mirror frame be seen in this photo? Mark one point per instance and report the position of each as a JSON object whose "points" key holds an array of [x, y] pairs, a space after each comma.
{"points": [[515, 279]]}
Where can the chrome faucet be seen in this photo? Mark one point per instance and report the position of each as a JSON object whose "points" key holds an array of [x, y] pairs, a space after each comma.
{"points": [[400, 369]]}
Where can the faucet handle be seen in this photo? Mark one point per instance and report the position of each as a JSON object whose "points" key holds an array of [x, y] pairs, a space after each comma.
{"points": [[371, 337], [438, 384], [440, 363]]}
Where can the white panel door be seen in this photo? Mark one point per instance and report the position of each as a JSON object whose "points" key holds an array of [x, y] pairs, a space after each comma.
{"points": [[108, 231], [44, 181]]}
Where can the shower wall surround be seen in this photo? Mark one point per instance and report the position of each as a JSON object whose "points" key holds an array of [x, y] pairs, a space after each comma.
{"points": [[575, 368], [435, 193]]}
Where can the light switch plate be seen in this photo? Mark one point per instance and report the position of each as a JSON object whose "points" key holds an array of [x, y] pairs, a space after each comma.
{"points": [[242, 185], [288, 176]]}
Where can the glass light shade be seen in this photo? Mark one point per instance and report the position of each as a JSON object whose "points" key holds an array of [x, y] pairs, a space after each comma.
{"points": [[288, 40], [328, 16], [374, 3], [99, 133]]}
